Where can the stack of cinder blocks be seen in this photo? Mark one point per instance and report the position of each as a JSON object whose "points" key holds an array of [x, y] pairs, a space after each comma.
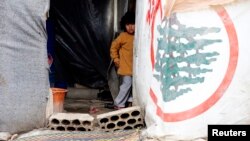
{"points": [[71, 122], [127, 118]]}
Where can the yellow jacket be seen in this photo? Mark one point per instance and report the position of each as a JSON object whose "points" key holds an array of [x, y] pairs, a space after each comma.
{"points": [[122, 51]]}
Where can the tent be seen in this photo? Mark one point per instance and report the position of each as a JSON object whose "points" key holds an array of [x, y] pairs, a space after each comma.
{"points": [[190, 64]]}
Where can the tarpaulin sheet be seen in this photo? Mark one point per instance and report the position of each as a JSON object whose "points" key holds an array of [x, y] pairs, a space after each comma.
{"points": [[84, 30], [23, 65], [173, 6], [191, 68]]}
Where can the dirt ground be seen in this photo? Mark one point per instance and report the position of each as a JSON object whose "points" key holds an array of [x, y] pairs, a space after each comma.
{"points": [[92, 107]]}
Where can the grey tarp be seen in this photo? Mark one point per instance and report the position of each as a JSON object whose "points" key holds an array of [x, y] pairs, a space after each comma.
{"points": [[23, 64]]}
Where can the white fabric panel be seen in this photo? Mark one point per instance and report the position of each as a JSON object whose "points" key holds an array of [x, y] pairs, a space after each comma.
{"points": [[221, 96]]}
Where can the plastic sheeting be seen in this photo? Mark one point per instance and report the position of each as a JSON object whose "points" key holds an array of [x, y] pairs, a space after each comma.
{"points": [[173, 6], [84, 30], [191, 69], [24, 83]]}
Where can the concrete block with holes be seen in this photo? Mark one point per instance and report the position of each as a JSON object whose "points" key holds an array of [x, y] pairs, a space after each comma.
{"points": [[127, 118], [71, 122]]}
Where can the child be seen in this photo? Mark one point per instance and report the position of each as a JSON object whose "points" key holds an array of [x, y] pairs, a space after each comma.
{"points": [[121, 52]]}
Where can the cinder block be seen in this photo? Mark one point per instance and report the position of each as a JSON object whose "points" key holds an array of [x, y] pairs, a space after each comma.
{"points": [[127, 118], [71, 122]]}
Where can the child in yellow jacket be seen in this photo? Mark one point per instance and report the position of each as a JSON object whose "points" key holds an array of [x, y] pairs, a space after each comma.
{"points": [[121, 52]]}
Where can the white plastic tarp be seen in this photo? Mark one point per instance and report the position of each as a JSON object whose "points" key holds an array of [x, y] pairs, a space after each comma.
{"points": [[191, 68]]}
